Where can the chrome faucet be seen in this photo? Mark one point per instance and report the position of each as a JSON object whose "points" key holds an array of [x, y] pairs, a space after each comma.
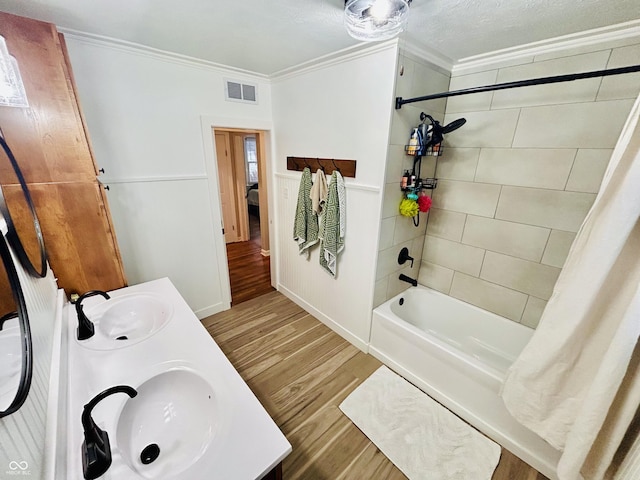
{"points": [[85, 326], [96, 449]]}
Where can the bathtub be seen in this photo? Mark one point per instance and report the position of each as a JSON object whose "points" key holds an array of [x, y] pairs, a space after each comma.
{"points": [[459, 354]]}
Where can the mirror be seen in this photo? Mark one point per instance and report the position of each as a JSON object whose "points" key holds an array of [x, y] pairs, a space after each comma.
{"points": [[24, 232], [15, 337]]}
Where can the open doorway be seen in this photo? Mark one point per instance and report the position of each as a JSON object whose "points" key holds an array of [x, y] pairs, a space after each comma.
{"points": [[241, 159]]}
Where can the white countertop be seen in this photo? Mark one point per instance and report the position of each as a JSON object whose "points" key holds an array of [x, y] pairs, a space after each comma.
{"points": [[246, 443]]}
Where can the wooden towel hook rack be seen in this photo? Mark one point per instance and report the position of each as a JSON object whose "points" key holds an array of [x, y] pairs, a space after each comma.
{"points": [[347, 168]]}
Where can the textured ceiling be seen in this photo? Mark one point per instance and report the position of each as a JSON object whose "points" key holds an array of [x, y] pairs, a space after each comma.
{"points": [[266, 36]]}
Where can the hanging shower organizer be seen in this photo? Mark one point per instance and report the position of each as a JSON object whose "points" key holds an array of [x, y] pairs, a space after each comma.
{"points": [[426, 149], [428, 142], [432, 183]]}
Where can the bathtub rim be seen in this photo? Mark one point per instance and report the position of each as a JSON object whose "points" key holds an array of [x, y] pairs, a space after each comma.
{"points": [[384, 310], [544, 464]]}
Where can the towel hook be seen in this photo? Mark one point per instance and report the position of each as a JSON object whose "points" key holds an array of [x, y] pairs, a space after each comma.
{"points": [[335, 167]]}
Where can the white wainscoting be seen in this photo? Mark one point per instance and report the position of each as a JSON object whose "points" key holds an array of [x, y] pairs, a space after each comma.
{"points": [[342, 303], [23, 433]]}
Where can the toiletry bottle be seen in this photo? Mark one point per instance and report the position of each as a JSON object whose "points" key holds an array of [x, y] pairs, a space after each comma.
{"points": [[405, 180], [413, 143]]}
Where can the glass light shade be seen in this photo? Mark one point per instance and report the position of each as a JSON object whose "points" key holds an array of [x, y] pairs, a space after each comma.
{"points": [[12, 91], [375, 20]]}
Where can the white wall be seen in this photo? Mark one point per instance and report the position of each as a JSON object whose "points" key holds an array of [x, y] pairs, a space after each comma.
{"points": [[143, 109], [340, 109]]}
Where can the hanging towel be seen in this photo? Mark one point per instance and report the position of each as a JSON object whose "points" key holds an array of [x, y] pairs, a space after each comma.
{"points": [[333, 225], [305, 227], [319, 192]]}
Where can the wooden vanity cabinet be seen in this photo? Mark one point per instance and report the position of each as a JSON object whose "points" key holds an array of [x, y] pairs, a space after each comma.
{"points": [[50, 143]]}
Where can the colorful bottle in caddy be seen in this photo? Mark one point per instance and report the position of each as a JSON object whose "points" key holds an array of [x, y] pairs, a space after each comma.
{"points": [[408, 181]]}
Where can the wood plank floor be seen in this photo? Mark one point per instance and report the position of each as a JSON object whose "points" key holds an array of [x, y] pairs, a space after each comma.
{"points": [[301, 371], [249, 270]]}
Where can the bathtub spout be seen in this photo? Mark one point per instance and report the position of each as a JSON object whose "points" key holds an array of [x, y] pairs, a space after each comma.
{"points": [[410, 280]]}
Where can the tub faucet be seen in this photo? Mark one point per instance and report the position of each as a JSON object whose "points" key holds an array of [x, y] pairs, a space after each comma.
{"points": [[404, 256], [410, 280], [85, 326], [96, 450]]}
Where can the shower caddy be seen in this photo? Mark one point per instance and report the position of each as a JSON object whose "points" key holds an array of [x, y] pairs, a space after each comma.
{"points": [[426, 140]]}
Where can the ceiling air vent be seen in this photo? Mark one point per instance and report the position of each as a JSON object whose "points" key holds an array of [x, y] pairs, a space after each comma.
{"points": [[241, 92]]}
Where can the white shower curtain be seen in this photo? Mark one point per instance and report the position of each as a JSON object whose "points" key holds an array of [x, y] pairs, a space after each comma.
{"points": [[577, 383]]}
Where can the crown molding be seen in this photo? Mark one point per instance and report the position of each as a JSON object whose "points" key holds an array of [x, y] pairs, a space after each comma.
{"points": [[621, 31], [150, 52], [409, 45], [335, 58]]}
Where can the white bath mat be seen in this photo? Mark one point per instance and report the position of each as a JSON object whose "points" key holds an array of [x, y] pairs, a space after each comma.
{"points": [[422, 438]]}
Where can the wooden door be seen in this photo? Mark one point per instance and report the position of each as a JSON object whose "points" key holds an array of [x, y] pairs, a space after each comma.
{"points": [[263, 195], [240, 181], [227, 187]]}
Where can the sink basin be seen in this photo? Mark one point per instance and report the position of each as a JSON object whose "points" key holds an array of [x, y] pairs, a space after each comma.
{"points": [[168, 426], [126, 320]]}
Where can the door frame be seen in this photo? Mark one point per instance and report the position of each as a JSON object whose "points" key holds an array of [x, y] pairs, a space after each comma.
{"points": [[265, 127]]}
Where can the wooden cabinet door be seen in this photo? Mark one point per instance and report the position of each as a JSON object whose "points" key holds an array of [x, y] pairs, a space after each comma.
{"points": [[77, 235], [52, 148], [48, 137]]}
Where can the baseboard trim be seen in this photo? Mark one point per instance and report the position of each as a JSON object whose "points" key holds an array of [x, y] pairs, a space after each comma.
{"points": [[212, 310], [265, 253], [332, 324]]}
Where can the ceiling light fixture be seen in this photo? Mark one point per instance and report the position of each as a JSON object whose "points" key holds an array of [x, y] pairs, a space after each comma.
{"points": [[375, 20], [12, 91]]}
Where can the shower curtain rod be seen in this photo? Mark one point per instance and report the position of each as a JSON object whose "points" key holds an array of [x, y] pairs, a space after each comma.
{"points": [[522, 83]]}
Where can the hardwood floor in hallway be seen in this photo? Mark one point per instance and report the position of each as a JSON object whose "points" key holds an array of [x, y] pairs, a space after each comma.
{"points": [[249, 270], [300, 370]]}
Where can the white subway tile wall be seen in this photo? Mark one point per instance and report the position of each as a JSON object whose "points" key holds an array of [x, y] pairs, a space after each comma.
{"points": [[489, 296], [533, 312], [446, 224], [510, 238], [467, 197], [552, 94], [453, 255], [419, 78], [557, 248], [588, 169], [522, 275], [546, 208], [526, 167], [516, 181], [476, 102], [435, 276], [458, 164], [493, 128], [619, 87]]}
